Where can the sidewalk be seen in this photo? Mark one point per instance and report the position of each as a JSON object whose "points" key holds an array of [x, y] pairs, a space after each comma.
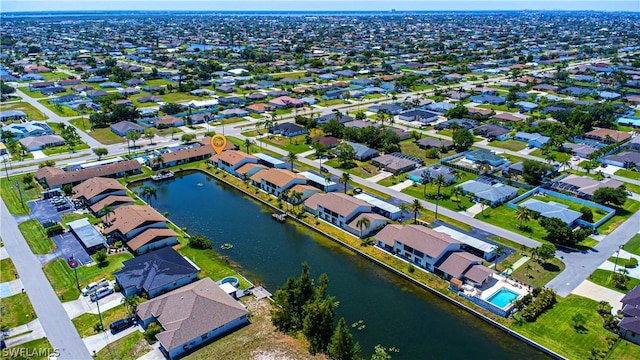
{"points": [[10, 288], [36, 332]]}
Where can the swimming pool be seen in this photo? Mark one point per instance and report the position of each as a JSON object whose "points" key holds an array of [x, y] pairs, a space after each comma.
{"points": [[502, 298]]}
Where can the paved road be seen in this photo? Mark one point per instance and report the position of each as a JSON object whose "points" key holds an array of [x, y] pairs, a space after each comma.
{"points": [[579, 266], [54, 320]]}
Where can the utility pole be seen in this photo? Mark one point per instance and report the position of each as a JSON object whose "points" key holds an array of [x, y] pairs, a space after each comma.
{"points": [[615, 264], [20, 193]]}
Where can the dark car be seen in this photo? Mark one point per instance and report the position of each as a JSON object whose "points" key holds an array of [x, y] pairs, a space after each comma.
{"points": [[63, 207], [120, 325], [324, 169]]}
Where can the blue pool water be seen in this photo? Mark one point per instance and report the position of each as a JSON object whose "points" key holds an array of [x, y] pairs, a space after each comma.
{"points": [[502, 297]]}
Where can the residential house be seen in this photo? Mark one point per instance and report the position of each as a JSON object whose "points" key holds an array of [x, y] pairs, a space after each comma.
{"points": [[455, 265], [418, 244], [182, 156], [7, 115], [232, 160], [430, 143], [526, 106], [392, 109], [284, 102], [170, 121], [552, 209], [94, 94], [260, 108], [607, 136], [122, 128], [155, 273], [506, 117], [192, 315], [429, 173], [56, 178], [362, 152], [493, 193], [629, 326], [287, 129], [27, 129], [533, 140], [583, 186], [93, 190], [235, 112], [625, 159], [34, 143], [484, 156], [460, 123], [488, 99], [580, 150], [491, 131], [341, 118], [396, 164], [423, 116], [275, 181], [328, 142], [342, 210], [634, 143], [141, 227], [306, 191]]}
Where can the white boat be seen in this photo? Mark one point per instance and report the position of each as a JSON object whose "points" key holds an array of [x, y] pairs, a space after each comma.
{"points": [[163, 175]]}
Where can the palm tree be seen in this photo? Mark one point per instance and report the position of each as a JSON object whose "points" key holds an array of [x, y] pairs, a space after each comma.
{"points": [[345, 179], [550, 157], [133, 136], [565, 163], [483, 168], [320, 151], [291, 157], [522, 214], [425, 178], [106, 210], [499, 251], [416, 207], [130, 302], [159, 160], [483, 204], [527, 268], [439, 181], [364, 222], [286, 195], [534, 254], [459, 175], [457, 192], [247, 144], [149, 192]]}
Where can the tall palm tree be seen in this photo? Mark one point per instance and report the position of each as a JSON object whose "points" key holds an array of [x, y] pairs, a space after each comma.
{"points": [[345, 179], [130, 302], [459, 175], [416, 207], [483, 168], [425, 178], [439, 181], [106, 210], [457, 192], [247, 145], [527, 268], [565, 163], [499, 251], [483, 204], [364, 222], [149, 192], [159, 160], [550, 157], [522, 214], [286, 193], [291, 157]]}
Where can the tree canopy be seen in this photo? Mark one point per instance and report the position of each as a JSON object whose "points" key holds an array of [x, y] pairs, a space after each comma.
{"points": [[533, 172], [610, 196]]}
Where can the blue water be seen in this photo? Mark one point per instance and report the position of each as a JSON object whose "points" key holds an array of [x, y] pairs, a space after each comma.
{"points": [[502, 298]]}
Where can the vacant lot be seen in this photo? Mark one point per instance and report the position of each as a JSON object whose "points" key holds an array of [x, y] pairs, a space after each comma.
{"points": [[105, 136], [16, 310], [11, 196], [31, 112], [512, 145]]}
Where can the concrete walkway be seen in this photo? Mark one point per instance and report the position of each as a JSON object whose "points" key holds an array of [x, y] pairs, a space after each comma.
{"points": [[516, 265], [474, 210], [599, 293], [401, 186], [10, 288], [633, 272], [154, 354], [34, 329], [3, 254], [382, 175], [99, 341]]}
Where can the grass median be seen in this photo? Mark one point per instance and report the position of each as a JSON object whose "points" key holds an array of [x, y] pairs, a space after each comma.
{"points": [[36, 238]]}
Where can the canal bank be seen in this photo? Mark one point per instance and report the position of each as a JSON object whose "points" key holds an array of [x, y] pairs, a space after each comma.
{"points": [[395, 308]]}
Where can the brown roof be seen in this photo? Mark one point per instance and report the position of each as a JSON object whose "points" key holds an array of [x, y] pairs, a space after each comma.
{"points": [[303, 188], [337, 202], [129, 217], [418, 237], [191, 311], [111, 200], [507, 117], [478, 273], [96, 186], [149, 236], [260, 107], [246, 167], [68, 177], [47, 172], [371, 216], [480, 111], [278, 177], [168, 120], [456, 263], [207, 142], [185, 154], [233, 156], [614, 134]]}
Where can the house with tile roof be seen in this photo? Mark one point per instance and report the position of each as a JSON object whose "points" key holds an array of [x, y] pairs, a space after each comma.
{"points": [[140, 226], [583, 186], [56, 178], [182, 156], [232, 160], [337, 208], [607, 136], [94, 190], [275, 181], [192, 315], [155, 273], [630, 324]]}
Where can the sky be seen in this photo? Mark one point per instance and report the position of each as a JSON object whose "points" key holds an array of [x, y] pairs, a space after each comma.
{"points": [[325, 5]]}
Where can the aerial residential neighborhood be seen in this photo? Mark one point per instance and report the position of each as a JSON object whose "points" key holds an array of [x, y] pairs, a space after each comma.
{"points": [[166, 174]]}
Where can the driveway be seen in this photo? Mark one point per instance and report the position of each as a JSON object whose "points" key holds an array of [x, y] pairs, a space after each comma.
{"points": [[84, 305], [599, 293], [10, 288], [382, 175], [401, 186], [100, 341], [44, 211], [67, 244], [33, 330]]}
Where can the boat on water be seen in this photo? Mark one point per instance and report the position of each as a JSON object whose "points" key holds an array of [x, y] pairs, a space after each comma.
{"points": [[279, 217], [163, 175]]}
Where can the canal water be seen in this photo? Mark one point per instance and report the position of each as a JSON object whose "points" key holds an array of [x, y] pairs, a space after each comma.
{"points": [[395, 312]]}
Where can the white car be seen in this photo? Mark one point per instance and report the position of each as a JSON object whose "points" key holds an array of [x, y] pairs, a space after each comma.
{"points": [[100, 293], [89, 288]]}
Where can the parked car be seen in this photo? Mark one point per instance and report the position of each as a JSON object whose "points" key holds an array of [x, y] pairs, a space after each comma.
{"points": [[357, 191], [100, 293], [71, 260], [603, 165], [120, 325], [63, 207], [91, 287], [324, 169]]}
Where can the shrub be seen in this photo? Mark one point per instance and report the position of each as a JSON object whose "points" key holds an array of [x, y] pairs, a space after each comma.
{"points": [[152, 330], [631, 263], [116, 287], [587, 214], [54, 230], [545, 300], [200, 242], [101, 257]]}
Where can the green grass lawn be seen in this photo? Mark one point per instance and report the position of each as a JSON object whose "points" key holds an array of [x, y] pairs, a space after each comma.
{"points": [[635, 175], [54, 76], [622, 214], [430, 216], [633, 245], [211, 264], [31, 112], [409, 147], [67, 218], [559, 155], [85, 322], [105, 136], [447, 200], [65, 149], [504, 217], [230, 120], [39, 346], [554, 328], [16, 310], [603, 278], [60, 110], [512, 145], [295, 144], [11, 195], [33, 94], [540, 273], [331, 102], [621, 261], [254, 148], [156, 82], [624, 350], [130, 347], [36, 238], [8, 270], [178, 97], [362, 169], [291, 75], [63, 280]]}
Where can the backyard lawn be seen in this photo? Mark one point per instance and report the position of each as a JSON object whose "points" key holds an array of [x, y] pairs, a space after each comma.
{"points": [[554, 328], [105, 136], [430, 216], [597, 214], [130, 347], [85, 323], [447, 200], [53, 150], [603, 278], [8, 270], [560, 156], [538, 274], [504, 217], [294, 144], [178, 97], [211, 264], [409, 147], [33, 94], [16, 310], [633, 245], [512, 145], [11, 196], [363, 169], [36, 238], [28, 109], [63, 280]]}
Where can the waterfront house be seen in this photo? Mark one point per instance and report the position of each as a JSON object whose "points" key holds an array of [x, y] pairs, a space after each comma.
{"points": [[495, 194], [182, 156], [140, 226], [96, 189], [192, 315], [457, 264], [306, 191], [418, 244], [341, 210], [232, 160], [155, 273], [275, 181], [56, 178]]}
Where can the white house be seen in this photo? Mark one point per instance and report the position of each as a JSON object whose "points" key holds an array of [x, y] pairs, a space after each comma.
{"points": [[275, 181], [231, 160]]}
